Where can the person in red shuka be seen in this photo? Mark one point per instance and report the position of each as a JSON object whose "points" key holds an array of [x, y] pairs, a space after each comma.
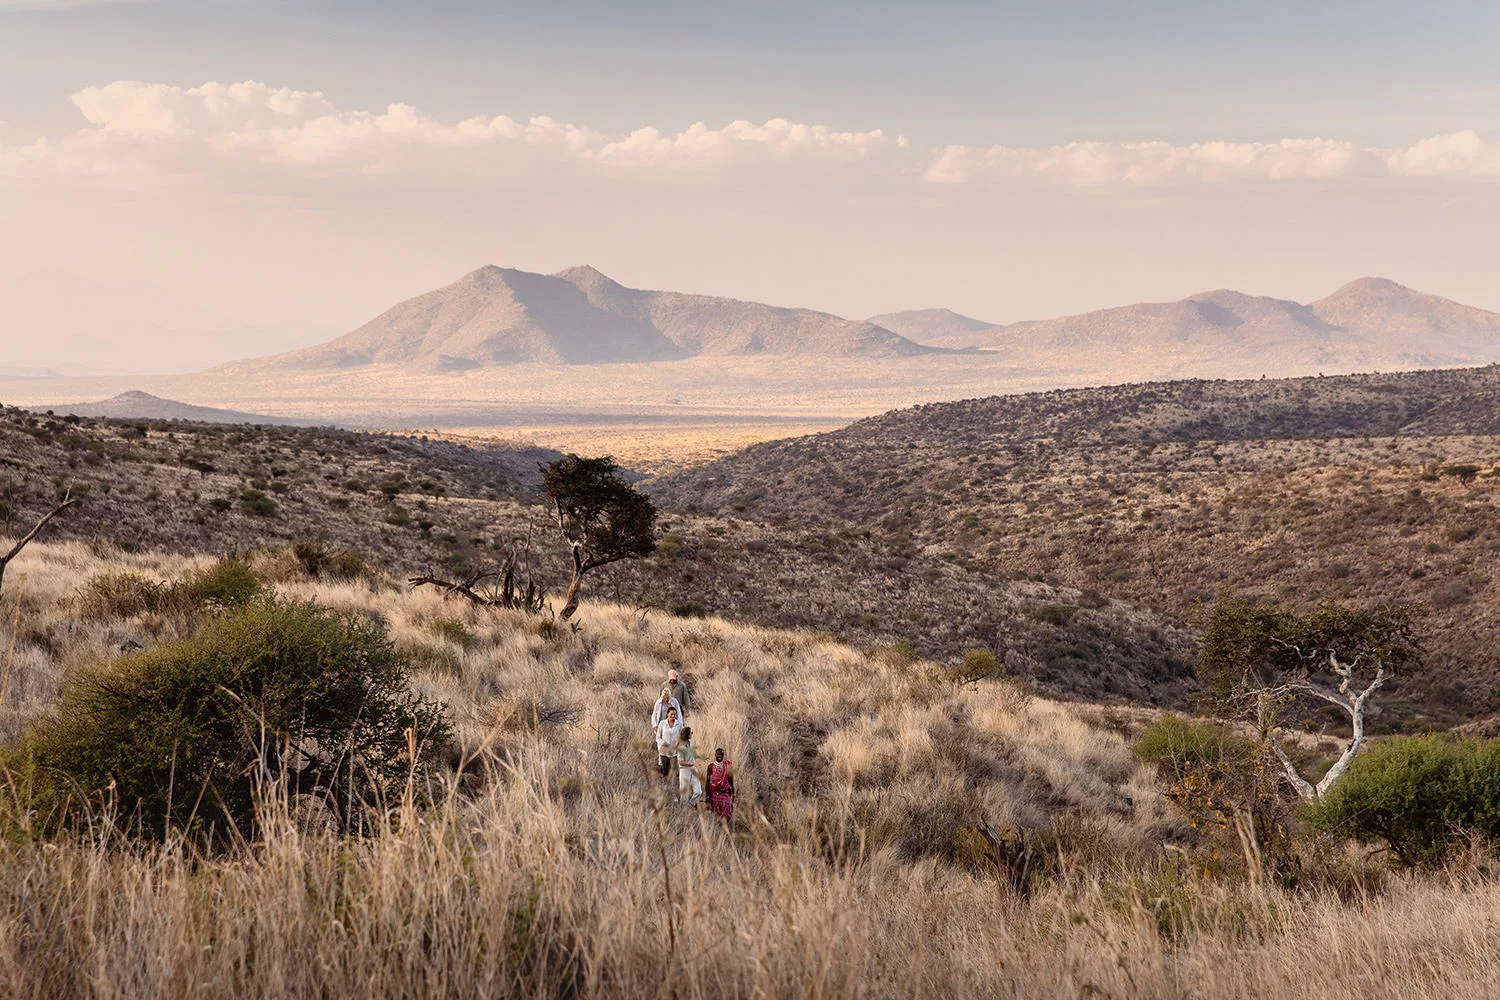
{"points": [[721, 786]]}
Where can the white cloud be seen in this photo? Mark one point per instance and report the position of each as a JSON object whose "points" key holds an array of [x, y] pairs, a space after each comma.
{"points": [[1460, 153], [144, 133], [137, 129], [1463, 154]]}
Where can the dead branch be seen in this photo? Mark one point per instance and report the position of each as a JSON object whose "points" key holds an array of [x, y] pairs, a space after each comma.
{"points": [[36, 529], [508, 592]]}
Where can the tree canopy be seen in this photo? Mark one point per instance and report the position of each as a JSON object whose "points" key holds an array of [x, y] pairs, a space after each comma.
{"points": [[603, 517]]}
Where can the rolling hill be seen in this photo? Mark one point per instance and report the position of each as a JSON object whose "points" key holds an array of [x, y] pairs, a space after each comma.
{"points": [[138, 405], [1368, 324], [501, 316], [931, 326]]}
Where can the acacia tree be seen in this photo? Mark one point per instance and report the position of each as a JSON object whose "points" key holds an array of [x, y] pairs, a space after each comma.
{"points": [[36, 529], [1260, 660], [603, 518]]}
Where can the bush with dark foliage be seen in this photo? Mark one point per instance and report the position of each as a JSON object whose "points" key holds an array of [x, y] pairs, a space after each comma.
{"points": [[1422, 795], [275, 698]]}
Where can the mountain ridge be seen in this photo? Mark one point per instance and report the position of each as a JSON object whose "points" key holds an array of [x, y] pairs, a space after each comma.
{"points": [[496, 316], [1369, 322]]}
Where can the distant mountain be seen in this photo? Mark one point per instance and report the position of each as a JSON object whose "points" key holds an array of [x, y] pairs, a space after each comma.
{"points": [[932, 326], [1396, 315], [502, 316], [1372, 323], [137, 405]]}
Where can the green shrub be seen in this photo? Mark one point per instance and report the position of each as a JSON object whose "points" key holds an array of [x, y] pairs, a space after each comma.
{"points": [[1175, 744], [1419, 794], [977, 665], [182, 736], [1217, 779], [257, 504], [228, 583]]}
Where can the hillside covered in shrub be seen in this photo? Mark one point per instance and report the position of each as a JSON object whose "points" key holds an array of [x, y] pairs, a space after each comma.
{"points": [[1366, 488]]}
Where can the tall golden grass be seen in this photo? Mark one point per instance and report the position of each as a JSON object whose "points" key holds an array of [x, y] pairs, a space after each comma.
{"points": [[549, 861]]}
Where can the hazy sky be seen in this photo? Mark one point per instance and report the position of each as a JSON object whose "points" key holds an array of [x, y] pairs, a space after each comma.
{"points": [[183, 183]]}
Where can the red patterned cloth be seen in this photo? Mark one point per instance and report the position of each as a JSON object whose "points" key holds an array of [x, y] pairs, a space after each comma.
{"points": [[721, 790]]}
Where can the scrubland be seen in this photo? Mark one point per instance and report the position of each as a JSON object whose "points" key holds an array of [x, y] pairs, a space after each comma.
{"points": [[1362, 489], [545, 859], [415, 504]]}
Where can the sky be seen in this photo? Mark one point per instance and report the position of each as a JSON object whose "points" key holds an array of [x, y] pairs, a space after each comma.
{"points": [[184, 183]]}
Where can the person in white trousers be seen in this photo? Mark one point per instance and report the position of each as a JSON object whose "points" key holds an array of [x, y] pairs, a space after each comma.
{"points": [[689, 784]]}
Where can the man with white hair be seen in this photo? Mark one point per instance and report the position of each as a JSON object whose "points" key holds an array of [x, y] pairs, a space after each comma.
{"points": [[679, 690]]}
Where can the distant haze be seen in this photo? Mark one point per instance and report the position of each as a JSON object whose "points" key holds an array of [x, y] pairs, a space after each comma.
{"points": [[497, 316], [1368, 323], [157, 226]]}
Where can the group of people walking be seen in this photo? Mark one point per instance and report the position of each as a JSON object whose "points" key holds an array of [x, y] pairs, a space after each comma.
{"points": [[674, 747]]}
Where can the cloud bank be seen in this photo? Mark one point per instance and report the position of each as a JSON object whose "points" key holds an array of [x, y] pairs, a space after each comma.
{"points": [[139, 130], [142, 132], [1461, 154]]}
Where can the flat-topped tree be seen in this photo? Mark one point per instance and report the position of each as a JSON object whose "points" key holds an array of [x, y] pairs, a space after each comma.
{"points": [[603, 518], [1259, 659]]}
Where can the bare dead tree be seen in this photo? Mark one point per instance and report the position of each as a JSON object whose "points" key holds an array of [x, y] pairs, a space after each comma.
{"points": [[1352, 703], [36, 529]]}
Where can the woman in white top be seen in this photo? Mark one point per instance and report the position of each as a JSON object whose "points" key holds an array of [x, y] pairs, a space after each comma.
{"points": [[689, 785], [659, 710], [668, 732]]}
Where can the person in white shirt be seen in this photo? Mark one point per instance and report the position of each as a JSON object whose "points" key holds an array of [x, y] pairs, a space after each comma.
{"points": [[668, 732], [689, 785], [659, 710]]}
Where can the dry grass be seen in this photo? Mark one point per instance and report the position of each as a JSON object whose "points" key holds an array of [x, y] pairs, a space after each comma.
{"points": [[654, 447], [536, 867]]}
